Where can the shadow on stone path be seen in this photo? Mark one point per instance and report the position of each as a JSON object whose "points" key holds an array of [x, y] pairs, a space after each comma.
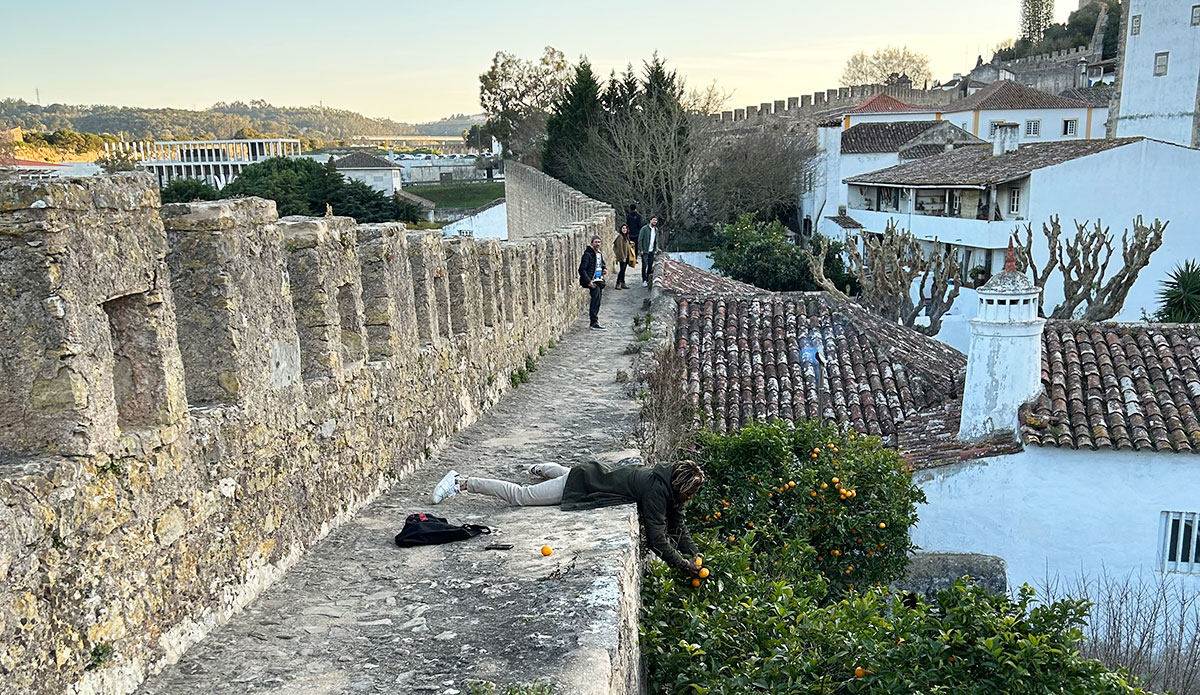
{"points": [[359, 615]]}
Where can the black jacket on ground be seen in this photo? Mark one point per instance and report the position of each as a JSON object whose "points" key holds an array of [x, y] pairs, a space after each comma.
{"points": [[593, 485], [587, 266], [633, 220]]}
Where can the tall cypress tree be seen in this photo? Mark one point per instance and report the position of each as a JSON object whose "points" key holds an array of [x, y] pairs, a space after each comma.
{"points": [[576, 112]]}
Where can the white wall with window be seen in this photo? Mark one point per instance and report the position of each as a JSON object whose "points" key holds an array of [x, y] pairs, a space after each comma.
{"points": [[386, 181], [1160, 72], [1036, 125], [1050, 511]]}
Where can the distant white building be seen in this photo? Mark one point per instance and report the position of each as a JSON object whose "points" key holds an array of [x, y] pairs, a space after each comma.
{"points": [[1159, 82], [216, 162], [1042, 117], [975, 197], [376, 172], [882, 108]]}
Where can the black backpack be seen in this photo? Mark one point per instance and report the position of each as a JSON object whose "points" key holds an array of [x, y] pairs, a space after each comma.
{"points": [[425, 529]]}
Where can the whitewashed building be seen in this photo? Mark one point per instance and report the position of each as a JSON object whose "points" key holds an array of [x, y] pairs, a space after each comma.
{"points": [[975, 197], [376, 172], [216, 162], [882, 108], [1159, 82], [1042, 117], [864, 147]]}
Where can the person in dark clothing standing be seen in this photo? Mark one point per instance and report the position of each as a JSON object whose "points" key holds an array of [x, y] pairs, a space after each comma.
{"points": [[633, 219], [660, 492], [591, 275], [649, 243], [622, 254]]}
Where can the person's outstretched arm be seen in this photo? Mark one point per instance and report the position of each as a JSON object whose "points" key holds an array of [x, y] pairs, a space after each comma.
{"points": [[678, 534], [654, 508]]}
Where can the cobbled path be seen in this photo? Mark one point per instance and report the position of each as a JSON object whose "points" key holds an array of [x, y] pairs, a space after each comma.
{"points": [[359, 615]]}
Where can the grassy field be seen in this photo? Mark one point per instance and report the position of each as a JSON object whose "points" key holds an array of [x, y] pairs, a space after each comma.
{"points": [[460, 195]]}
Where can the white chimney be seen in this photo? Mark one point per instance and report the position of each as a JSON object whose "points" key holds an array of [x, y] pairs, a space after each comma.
{"points": [[1005, 139], [1004, 364]]}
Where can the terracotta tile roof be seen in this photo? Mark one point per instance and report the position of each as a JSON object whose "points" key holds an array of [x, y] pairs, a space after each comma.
{"points": [[746, 359], [363, 160], [930, 438], [864, 138], [1098, 96], [882, 103], [921, 151], [1006, 94], [974, 165], [684, 279], [845, 221], [1119, 386]]}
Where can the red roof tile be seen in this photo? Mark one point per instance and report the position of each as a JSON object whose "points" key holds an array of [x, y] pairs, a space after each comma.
{"points": [[1006, 94], [1119, 386], [882, 103], [11, 162]]}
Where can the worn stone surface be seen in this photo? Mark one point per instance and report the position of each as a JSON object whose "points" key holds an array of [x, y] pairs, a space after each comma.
{"points": [[358, 614], [929, 573], [195, 394]]}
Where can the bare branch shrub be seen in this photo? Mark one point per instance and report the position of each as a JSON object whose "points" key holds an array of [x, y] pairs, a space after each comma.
{"points": [[1150, 626], [1083, 263], [757, 172], [668, 417]]}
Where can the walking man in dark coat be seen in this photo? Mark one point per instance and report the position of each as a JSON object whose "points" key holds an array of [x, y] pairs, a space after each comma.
{"points": [[633, 218], [649, 243], [660, 492], [592, 270]]}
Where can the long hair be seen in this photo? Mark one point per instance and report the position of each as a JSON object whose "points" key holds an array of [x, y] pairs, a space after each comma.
{"points": [[686, 478]]}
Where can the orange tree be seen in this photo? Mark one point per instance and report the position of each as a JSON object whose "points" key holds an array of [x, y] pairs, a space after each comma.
{"points": [[847, 496], [781, 612]]}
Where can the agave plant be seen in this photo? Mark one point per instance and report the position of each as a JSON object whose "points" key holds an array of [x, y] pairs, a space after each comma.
{"points": [[1180, 295]]}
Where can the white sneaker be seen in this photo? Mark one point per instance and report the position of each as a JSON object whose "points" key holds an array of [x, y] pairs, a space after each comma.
{"points": [[446, 488], [645, 284], [534, 469]]}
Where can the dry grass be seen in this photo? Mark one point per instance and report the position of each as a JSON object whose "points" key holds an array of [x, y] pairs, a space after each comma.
{"points": [[1148, 624]]}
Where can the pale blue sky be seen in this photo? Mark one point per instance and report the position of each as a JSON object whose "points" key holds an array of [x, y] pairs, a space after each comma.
{"points": [[416, 61]]}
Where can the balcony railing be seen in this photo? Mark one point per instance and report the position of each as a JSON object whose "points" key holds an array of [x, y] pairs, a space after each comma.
{"points": [[950, 230]]}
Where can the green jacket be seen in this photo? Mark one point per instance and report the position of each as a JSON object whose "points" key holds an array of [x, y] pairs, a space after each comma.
{"points": [[592, 485], [643, 245]]}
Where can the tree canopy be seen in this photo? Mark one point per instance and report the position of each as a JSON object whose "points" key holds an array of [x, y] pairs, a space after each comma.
{"points": [[516, 95], [305, 187], [886, 66]]}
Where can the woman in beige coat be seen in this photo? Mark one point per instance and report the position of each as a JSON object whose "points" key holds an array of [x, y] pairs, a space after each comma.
{"points": [[624, 254]]}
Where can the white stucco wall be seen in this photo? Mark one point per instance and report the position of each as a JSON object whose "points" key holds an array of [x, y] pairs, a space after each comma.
{"points": [[492, 223], [1051, 122], [1162, 107], [891, 117], [1051, 511], [1147, 178], [386, 181]]}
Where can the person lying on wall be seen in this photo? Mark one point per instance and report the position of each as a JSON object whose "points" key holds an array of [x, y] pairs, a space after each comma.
{"points": [[661, 492]]}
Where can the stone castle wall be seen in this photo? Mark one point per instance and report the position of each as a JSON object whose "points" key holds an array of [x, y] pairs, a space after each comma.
{"points": [[821, 104], [194, 394]]}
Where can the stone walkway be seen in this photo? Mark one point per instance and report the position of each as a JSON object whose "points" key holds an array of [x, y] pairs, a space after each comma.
{"points": [[359, 615]]}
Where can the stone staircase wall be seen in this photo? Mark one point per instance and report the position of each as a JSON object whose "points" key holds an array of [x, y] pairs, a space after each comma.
{"points": [[194, 394]]}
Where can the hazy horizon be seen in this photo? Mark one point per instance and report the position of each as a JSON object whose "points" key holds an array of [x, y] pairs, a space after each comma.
{"points": [[423, 63]]}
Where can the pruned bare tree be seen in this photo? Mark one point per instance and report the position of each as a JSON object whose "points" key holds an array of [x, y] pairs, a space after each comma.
{"points": [[1083, 262], [886, 268]]}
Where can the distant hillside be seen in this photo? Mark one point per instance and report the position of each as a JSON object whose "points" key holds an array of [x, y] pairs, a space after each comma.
{"points": [[223, 120], [451, 125]]}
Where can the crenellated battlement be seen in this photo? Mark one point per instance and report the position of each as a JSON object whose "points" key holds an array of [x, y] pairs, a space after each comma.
{"points": [[196, 393], [840, 98]]}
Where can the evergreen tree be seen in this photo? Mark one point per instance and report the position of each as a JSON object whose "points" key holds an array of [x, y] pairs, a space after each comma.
{"points": [[1036, 17], [575, 113]]}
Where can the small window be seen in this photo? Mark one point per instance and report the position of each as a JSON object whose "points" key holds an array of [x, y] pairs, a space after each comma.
{"points": [[1070, 126], [1195, 15], [1180, 551], [992, 128], [1160, 63], [955, 203], [1135, 25], [1033, 129], [1014, 200]]}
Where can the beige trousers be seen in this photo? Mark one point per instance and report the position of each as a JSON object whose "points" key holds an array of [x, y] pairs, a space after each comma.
{"points": [[541, 494]]}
